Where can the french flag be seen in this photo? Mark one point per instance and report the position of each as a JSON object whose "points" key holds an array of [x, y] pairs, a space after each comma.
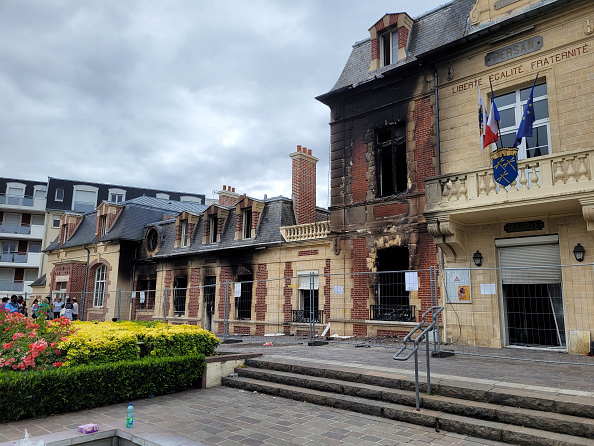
{"points": [[492, 127]]}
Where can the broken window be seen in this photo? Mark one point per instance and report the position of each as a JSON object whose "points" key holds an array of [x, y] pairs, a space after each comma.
{"points": [[389, 43], [391, 169], [247, 223], [148, 285], [243, 301], [392, 298], [214, 223], [185, 236], [179, 295]]}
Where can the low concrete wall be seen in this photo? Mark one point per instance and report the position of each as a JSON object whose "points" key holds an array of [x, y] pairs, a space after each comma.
{"points": [[223, 365]]}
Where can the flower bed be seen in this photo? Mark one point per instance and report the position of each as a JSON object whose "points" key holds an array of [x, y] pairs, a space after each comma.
{"points": [[96, 343], [32, 343]]}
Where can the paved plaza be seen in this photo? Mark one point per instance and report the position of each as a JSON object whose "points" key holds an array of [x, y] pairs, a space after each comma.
{"points": [[226, 416]]}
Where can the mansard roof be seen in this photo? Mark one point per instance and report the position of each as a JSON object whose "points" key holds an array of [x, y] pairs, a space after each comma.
{"points": [[277, 212], [136, 213], [430, 30], [433, 34]]}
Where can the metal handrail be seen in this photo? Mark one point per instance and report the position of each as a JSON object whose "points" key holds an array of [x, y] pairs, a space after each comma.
{"points": [[435, 310]]}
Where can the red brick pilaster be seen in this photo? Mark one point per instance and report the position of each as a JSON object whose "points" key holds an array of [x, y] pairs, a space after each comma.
{"points": [[261, 292]]}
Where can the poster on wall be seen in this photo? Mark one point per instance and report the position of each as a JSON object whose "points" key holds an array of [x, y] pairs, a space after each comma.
{"points": [[457, 285]]}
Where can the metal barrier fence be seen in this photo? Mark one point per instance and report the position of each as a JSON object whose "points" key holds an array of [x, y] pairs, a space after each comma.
{"points": [[538, 313]]}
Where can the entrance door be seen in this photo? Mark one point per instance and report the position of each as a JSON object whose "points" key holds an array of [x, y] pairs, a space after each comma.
{"points": [[532, 292], [392, 299], [209, 302]]}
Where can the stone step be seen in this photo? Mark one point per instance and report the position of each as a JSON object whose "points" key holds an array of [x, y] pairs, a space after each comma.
{"points": [[577, 406], [554, 422], [491, 430]]}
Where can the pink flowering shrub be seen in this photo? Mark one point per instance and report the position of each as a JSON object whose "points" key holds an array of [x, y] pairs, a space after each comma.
{"points": [[32, 343]]}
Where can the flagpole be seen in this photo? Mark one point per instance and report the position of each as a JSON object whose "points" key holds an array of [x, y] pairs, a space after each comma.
{"points": [[498, 126]]}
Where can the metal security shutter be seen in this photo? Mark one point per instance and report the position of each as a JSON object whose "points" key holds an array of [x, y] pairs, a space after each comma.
{"points": [[530, 264]]}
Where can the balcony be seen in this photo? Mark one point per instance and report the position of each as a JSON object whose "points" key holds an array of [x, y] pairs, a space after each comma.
{"points": [[11, 286], [305, 316], [393, 313], [20, 202], [556, 181], [16, 231], [20, 259], [308, 231]]}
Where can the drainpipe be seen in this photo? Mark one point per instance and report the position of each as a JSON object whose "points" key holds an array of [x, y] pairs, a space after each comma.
{"points": [[437, 121], [81, 311]]}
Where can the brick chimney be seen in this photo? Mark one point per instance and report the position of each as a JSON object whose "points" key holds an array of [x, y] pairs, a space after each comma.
{"points": [[228, 196], [304, 185]]}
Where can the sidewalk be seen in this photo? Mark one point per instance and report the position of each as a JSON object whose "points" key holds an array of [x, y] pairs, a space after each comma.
{"points": [[225, 416]]}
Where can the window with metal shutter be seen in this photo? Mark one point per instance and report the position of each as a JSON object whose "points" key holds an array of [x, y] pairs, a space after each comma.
{"points": [[530, 264]]}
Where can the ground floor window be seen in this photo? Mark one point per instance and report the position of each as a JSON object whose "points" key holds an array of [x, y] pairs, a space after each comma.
{"points": [[243, 297], [392, 298], [179, 295], [99, 289]]}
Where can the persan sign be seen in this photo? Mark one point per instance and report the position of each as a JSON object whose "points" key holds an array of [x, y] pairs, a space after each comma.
{"points": [[515, 50]]}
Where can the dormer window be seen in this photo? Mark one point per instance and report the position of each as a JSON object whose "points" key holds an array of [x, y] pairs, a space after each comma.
{"points": [[64, 233], [247, 223], [103, 224], [214, 223], [389, 48], [185, 235]]}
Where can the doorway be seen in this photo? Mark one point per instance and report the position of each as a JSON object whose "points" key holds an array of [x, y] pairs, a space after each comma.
{"points": [[209, 302], [532, 293], [392, 299]]}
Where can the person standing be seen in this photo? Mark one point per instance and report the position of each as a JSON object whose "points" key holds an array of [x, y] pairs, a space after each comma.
{"points": [[34, 308], [74, 310], [3, 304], [57, 307], [68, 308], [13, 305]]}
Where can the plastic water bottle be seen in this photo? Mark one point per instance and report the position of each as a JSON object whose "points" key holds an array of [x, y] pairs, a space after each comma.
{"points": [[130, 417]]}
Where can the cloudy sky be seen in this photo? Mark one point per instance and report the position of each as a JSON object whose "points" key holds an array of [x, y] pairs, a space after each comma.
{"points": [[183, 95]]}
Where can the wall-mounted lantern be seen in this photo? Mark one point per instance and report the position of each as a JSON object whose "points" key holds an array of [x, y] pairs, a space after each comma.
{"points": [[478, 258], [579, 252]]}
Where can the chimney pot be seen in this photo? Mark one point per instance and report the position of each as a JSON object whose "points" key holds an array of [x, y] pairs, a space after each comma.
{"points": [[233, 190], [224, 187], [299, 148], [309, 152]]}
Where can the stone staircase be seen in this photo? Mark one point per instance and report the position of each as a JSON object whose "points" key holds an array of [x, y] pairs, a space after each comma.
{"points": [[508, 415]]}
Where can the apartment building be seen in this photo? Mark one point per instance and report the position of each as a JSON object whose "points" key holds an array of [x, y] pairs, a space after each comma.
{"points": [[22, 216]]}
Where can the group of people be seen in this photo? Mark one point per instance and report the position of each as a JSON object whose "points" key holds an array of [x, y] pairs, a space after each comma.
{"points": [[56, 309]]}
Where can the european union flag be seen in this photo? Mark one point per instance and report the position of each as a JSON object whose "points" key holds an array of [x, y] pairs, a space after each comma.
{"points": [[525, 129]]}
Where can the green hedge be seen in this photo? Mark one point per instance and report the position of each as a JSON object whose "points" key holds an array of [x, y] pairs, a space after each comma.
{"points": [[39, 393]]}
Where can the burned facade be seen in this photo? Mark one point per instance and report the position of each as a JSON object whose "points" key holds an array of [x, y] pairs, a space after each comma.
{"points": [[383, 146]]}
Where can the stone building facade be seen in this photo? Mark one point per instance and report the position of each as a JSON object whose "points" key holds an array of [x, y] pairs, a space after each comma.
{"points": [[538, 222]]}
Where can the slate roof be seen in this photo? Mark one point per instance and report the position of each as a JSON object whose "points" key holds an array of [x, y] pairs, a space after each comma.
{"points": [[439, 28], [140, 213], [277, 212], [136, 213]]}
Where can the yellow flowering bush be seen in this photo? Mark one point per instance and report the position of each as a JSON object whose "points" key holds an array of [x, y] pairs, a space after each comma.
{"points": [[97, 343]]}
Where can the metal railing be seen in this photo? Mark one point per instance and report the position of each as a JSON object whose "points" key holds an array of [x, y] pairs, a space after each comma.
{"points": [[434, 311], [81, 206], [17, 200], [11, 286], [399, 313], [6, 228], [306, 316], [13, 257]]}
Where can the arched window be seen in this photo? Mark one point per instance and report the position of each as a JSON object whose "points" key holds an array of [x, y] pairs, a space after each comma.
{"points": [[99, 286]]}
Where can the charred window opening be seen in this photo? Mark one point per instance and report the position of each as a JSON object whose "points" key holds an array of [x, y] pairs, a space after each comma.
{"points": [[243, 301], [391, 169], [148, 285], [392, 299], [179, 295], [210, 288]]}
